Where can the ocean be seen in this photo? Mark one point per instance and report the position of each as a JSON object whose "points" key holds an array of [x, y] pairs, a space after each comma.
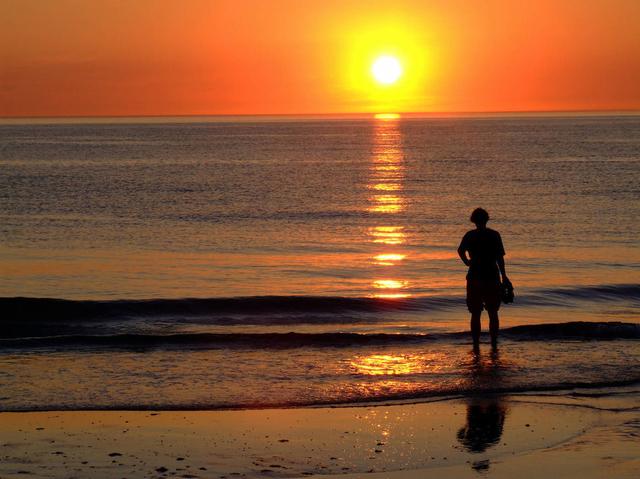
{"points": [[278, 262]]}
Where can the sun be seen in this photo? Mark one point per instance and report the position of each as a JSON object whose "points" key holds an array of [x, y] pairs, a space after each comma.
{"points": [[386, 69]]}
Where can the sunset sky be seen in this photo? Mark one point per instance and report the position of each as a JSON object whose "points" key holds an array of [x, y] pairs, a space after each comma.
{"points": [[170, 57]]}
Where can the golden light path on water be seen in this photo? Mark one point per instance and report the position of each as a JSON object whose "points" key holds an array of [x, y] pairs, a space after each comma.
{"points": [[384, 364], [400, 364], [389, 235], [386, 182]]}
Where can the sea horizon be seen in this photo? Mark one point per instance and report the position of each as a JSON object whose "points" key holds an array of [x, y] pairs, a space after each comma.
{"points": [[275, 117]]}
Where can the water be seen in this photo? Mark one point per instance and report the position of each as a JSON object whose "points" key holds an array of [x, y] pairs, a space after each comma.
{"points": [[188, 253]]}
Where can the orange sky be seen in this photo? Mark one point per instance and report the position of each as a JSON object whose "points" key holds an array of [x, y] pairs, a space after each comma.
{"points": [[175, 57]]}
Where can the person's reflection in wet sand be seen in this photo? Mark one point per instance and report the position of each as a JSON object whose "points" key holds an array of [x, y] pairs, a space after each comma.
{"points": [[485, 414]]}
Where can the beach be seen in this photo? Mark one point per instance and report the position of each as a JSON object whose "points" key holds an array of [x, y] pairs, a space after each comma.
{"points": [[328, 239], [567, 434]]}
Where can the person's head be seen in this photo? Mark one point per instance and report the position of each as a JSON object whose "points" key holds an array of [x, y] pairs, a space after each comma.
{"points": [[479, 217]]}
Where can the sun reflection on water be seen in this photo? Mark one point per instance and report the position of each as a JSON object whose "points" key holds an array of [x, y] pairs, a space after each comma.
{"points": [[386, 180], [385, 364], [389, 284], [400, 364], [387, 168], [389, 259], [386, 187], [391, 235]]}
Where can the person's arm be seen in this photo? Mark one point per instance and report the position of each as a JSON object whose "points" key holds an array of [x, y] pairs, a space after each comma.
{"points": [[502, 269], [462, 252], [500, 260]]}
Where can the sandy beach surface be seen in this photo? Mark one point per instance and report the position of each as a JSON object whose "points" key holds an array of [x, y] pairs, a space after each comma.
{"points": [[571, 434]]}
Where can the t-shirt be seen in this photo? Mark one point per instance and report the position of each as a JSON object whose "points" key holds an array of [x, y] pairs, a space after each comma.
{"points": [[484, 247]]}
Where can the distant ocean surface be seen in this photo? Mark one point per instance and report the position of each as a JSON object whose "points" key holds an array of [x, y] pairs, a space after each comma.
{"points": [[254, 263]]}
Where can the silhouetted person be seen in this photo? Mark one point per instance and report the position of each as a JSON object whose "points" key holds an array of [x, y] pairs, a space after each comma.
{"points": [[486, 264]]}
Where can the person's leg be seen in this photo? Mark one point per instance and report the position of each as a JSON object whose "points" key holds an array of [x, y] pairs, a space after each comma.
{"points": [[474, 304], [491, 297], [475, 326], [494, 325]]}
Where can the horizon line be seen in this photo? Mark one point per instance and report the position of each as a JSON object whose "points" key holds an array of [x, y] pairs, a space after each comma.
{"points": [[336, 115]]}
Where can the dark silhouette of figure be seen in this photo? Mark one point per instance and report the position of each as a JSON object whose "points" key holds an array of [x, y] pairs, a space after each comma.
{"points": [[485, 421], [486, 264], [485, 414]]}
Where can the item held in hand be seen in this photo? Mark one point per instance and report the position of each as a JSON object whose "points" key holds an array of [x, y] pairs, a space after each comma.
{"points": [[506, 290]]}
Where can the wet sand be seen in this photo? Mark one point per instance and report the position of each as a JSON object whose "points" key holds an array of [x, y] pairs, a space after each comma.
{"points": [[587, 436]]}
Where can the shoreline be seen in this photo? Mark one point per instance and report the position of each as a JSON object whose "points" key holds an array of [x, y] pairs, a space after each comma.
{"points": [[574, 389], [542, 391], [496, 435]]}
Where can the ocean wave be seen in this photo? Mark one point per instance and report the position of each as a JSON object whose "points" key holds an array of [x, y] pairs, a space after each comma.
{"points": [[213, 340], [51, 308], [538, 332], [574, 330], [255, 307], [600, 293]]}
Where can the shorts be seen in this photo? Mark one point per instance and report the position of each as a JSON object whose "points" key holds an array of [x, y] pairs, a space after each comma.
{"points": [[483, 294]]}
